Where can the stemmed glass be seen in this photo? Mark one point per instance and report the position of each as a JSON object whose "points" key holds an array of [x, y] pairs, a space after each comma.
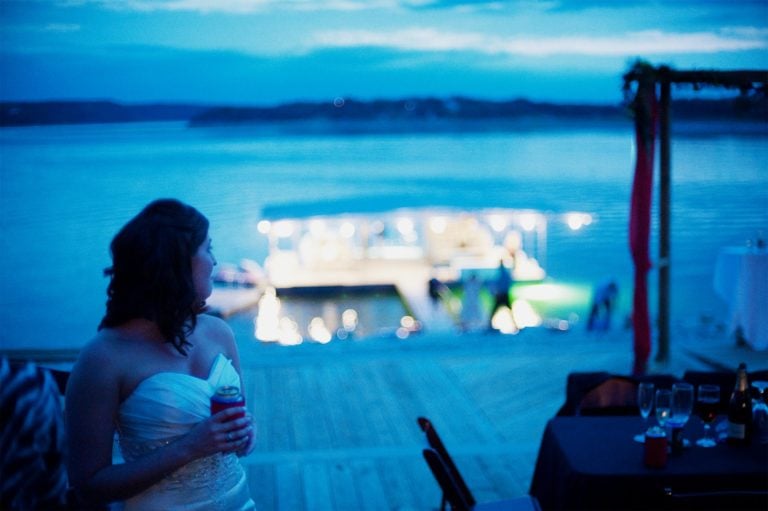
{"points": [[760, 411], [708, 402], [663, 406], [761, 396], [645, 404], [682, 405]]}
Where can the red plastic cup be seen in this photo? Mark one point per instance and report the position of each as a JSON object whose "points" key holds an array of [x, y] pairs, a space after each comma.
{"points": [[655, 448], [227, 397]]}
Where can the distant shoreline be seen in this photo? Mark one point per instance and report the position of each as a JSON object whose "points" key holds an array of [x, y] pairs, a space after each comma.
{"points": [[392, 115]]}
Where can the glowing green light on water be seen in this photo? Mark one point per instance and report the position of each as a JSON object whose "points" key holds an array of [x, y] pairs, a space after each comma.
{"points": [[554, 292], [549, 299], [554, 299]]}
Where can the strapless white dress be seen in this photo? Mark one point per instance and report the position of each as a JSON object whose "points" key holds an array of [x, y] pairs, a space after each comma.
{"points": [[161, 409]]}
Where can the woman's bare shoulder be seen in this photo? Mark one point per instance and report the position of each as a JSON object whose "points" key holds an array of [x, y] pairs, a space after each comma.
{"points": [[214, 326], [105, 354], [216, 331], [98, 371], [99, 350]]}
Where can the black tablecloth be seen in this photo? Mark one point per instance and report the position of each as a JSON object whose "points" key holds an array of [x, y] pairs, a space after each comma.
{"points": [[593, 463]]}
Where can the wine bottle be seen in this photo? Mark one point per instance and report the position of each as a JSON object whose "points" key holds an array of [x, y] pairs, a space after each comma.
{"points": [[740, 410]]}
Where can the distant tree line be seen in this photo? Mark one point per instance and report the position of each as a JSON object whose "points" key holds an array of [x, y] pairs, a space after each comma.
{"points": [[27, 113], [415, 110]]}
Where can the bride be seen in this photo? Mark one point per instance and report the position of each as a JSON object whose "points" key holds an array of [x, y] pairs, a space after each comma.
{"points": [[149, 374]]}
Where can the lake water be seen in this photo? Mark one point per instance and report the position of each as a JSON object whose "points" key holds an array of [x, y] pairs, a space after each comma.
{"points": [[66, 190]]}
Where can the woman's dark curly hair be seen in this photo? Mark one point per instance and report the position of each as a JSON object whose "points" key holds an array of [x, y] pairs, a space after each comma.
{"points": [[151, 272]]}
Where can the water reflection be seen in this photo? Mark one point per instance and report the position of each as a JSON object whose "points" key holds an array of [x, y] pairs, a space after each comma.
{"points": [[322, 317], [342, 314]]}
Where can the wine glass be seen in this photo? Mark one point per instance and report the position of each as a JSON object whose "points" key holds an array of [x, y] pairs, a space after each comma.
{"points": [[760, 411], [663, 406], [682, 406], [645, 404], [760, 396], [707, 404]]}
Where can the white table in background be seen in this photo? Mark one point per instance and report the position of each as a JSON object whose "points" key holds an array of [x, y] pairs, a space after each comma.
{"points": [[741, 279]]}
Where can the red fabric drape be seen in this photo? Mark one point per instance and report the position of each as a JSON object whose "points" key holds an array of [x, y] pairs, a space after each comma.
{"points": [[640, 219]]}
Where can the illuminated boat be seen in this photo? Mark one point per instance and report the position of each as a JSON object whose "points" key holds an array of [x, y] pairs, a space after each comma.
{"points": [[248, 274], [370, 241], [380, 247]]}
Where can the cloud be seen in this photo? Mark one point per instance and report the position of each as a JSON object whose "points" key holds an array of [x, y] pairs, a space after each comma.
{"points": [[240, 6], [61, 27], [651, 42], [418, 39], [753, 32], [249, 6], [228, 6]]}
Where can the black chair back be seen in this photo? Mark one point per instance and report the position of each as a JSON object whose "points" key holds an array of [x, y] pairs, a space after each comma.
{"points": [[451, 491], [603, 393], [615, 396], [455, 490], [434, 441]]}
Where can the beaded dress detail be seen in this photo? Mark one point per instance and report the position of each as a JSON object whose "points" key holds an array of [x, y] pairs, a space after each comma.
{"points": [[163, 408]]}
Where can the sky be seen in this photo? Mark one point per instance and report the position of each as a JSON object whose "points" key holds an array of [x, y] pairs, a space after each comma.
{"points": [[264, 52]]}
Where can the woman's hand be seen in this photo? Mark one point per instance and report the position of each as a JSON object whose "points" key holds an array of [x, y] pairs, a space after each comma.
{"points": [[250, 444], [223, 432]]}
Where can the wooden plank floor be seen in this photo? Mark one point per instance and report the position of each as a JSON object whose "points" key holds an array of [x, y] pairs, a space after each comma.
{"points": [[337, 423]]}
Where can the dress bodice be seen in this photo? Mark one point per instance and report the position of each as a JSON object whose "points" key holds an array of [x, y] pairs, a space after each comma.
{"points": [[164, 407]]}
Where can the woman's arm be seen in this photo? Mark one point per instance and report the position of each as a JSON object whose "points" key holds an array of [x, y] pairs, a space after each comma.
{"points": [[93, 397]]}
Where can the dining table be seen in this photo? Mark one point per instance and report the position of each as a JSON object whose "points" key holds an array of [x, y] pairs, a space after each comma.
{"points": [[592, 462], [741, 279]]}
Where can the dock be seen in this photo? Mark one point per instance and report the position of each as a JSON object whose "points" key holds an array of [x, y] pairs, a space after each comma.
{"points": [[433, 318], [409, 280], [226, 301], [337, 422]]}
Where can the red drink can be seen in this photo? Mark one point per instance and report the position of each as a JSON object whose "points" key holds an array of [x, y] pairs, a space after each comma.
{"points": [[227, 397], [655, 448]]}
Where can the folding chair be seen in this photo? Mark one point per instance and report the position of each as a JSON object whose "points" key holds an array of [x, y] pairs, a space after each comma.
{"points": [[603, 393], [615, 396], [456, 493], [451, 493]]}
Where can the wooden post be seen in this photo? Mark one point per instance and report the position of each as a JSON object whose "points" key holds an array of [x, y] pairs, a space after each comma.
{"points": [[662, 355], [664, 76]]}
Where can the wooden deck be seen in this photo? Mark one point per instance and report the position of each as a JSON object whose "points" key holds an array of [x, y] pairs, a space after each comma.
{"points": [[337, 423]]}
